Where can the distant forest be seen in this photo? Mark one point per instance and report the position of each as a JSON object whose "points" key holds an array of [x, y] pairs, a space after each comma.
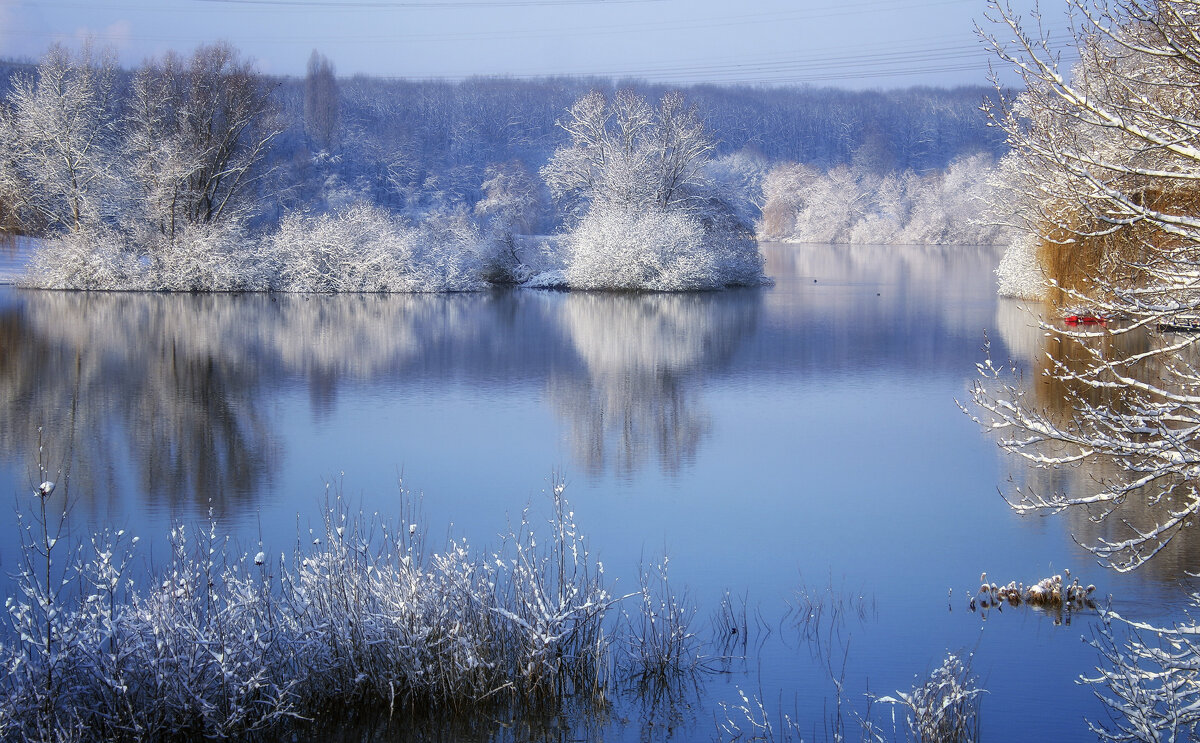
{"points": [[412, 146]]}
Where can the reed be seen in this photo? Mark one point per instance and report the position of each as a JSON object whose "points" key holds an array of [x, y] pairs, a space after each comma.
{"points": [[361, 616], [1081, 253]]}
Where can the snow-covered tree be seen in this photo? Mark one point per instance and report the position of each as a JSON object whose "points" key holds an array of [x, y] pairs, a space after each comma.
{"points": [[1106, 164], [322, 104], [1105, 175], [58, 138], [219, 111], [625, 152], [859, 205], [160, 159], [641, 214], [511, 197]]}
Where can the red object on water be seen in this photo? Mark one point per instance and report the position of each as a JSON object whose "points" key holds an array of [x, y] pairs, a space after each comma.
{"points": [[1084, 319]]}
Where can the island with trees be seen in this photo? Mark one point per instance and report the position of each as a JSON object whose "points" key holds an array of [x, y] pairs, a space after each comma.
{"points": [[198, 173]]}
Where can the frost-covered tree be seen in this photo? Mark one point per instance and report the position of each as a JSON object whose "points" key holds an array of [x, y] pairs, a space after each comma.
{"points": [[322, 104], [58, 137], [1106, 164], [160, 160], [641, 214], [164, 164], [511, 197], [1105, 157], [220, 111], [512, 205], [858, 205], [12, 188], [1105, 175], [625, 152]]}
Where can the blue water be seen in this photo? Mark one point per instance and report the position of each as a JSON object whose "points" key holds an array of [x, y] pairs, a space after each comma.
{"points": [[803, 435]]}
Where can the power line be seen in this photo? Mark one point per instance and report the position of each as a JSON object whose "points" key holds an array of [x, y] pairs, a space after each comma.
{"points": [[455, 4], [841, 62]]}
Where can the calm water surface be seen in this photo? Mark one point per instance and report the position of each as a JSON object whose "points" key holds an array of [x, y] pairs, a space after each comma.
{"points": [[799, 437]]}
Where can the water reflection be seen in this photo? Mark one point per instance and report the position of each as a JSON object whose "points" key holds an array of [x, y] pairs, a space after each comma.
{"points": [[645, 357], [807, 426], [181, 391], [128, 380]]}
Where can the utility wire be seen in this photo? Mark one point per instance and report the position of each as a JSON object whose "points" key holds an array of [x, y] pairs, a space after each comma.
{"points": [[917, 57]]}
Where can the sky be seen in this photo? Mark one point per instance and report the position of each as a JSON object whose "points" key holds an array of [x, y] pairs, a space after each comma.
{"points": [[848, 43]]}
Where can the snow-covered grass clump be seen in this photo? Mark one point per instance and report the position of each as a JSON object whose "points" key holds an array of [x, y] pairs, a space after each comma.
{"points": [[220, 643], [626, 248]]}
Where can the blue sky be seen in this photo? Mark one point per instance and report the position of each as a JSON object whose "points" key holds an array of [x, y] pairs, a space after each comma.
{"points": [[851, 43]]}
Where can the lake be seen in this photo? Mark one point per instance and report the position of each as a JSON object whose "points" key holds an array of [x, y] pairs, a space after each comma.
{"points": [[797, 440]]}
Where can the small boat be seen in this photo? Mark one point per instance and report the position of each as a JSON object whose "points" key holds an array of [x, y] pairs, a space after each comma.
{"points": [[1180, 324], [1085, 317]]}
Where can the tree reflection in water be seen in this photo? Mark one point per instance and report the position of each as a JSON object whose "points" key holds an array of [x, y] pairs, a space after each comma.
{"points": [[644, 356], [131, 378], [176, 387]]}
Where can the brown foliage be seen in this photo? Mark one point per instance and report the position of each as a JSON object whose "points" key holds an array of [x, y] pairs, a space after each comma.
{"points": [[1088, 251]]}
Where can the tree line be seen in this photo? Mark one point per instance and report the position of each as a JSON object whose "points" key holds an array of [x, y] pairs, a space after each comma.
{"points": [[177, 174]]}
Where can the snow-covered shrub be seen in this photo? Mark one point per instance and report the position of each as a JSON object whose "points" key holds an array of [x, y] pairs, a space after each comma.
{"points": [[90, 258], [632, 248], [205, 648], [219, 256], [452, 253], [953, 206], [365, 249], [211, 257], [1020, 274], [359, 249]]}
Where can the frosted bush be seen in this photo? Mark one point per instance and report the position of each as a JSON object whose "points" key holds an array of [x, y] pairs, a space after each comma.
{"points": [[627, 248], [359, 249], [365, 249], [218, 256], [452, 253], [1019, 274], [91, 258], [202, 257]]}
